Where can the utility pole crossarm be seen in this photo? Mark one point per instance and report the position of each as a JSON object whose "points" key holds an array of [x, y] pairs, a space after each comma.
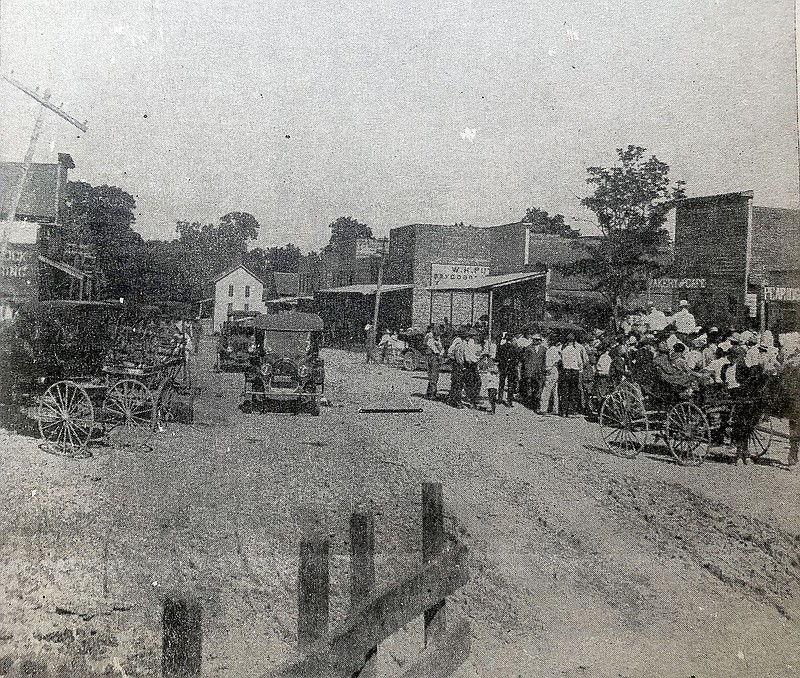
{"points": [[44, 102]]}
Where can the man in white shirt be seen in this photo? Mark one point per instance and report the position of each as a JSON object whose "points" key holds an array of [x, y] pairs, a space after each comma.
{"points": [[573, 360], [434, 353], [473, 350], [656, 319], [683, 320], [552, 358]]}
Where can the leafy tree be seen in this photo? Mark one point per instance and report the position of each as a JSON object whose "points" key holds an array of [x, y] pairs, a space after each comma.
{"points": [[347, 228], [103, 216], [542, 222], [630, 201], [285, 259]]}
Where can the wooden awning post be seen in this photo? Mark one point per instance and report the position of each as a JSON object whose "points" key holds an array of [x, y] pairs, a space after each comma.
{"points": [[491, 296]]}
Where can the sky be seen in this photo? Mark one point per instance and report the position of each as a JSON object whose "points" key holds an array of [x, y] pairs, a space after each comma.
{"points": [[400, 111]]}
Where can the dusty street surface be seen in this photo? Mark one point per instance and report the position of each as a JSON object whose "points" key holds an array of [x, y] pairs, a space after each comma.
{"points": [[582, 564]]}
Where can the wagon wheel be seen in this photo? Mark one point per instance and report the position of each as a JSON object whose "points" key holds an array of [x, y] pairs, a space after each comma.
{"points": [[130, 410], [688, 434], [66, 419], [410, 361], [760, 437], [623, 423]]}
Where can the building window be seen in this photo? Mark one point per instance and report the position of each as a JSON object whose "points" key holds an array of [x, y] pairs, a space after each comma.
{"points": [[230, 290], [247, 307], [246, 292], [230, 309]]}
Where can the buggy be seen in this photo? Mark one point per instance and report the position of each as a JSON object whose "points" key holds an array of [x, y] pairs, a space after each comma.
{"points": [[689, 420], [91, 370]]}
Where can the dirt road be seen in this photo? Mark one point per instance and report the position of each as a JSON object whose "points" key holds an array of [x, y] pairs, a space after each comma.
{"points": [[583, 564]]}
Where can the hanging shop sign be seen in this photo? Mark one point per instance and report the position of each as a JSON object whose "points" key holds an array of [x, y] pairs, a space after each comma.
{"points": [[782, 294], [679, 283]]}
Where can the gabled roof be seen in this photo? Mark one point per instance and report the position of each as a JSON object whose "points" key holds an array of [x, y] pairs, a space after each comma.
{"points": [[231, 269]]}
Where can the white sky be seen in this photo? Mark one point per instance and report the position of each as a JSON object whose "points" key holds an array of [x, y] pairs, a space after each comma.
{"points": [[375, 95]]}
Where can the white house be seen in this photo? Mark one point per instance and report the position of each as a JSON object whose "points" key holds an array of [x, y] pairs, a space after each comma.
{"points": [[237, 289]]}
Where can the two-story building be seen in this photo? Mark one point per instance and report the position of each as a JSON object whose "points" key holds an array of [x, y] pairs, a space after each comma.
{"points": [[32, 251], [736, 263], [236, 289]]}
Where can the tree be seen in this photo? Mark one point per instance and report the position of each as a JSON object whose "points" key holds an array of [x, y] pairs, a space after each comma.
{"points": [[630, 201], [285, 259], [542, 222], [103, 216], [347, 228]]}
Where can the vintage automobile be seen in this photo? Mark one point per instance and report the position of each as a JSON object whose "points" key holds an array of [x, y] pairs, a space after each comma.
{"points": [[235, 340], [284, 361]]}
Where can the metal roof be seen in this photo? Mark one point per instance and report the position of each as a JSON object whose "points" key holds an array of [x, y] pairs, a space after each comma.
{"points": [[486, 282], [364, 289], [289, 322]]}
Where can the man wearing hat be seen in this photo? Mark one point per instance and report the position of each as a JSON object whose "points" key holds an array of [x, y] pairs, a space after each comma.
{"points": [[473, 350], [456, 354], [533, 370], [684, 321], [656, 319], [507, 369]]}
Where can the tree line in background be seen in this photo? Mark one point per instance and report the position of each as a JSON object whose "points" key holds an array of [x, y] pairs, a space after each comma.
{"points": [[630, 201], [158, 270]]}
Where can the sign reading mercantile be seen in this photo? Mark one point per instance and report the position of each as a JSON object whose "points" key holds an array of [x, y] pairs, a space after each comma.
{"points": [[680, 283], [782, 294]]}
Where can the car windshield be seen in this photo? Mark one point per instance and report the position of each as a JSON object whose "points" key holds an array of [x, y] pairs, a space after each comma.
{"points": [[287, 343]]}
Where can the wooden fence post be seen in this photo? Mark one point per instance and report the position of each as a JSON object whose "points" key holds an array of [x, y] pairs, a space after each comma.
{"points": [[182, 648], [362, 574], [313, 591], [433, 539]]}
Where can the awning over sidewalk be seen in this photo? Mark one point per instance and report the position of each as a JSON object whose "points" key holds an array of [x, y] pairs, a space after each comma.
{"points": [[486, 283], [366, 290]]}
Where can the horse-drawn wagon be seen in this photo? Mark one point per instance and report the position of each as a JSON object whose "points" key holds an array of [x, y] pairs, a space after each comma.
{"points": [[689, 420], [89, 371]]}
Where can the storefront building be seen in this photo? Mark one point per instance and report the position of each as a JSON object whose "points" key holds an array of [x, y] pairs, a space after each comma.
{"points": [[737, 264]]}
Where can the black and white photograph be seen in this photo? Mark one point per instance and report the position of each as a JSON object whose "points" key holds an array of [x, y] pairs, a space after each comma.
{"points": [[399, 339]]}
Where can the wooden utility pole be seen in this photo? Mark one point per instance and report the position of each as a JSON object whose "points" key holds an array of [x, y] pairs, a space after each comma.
{"points": [[44, 101], [373, 335]]}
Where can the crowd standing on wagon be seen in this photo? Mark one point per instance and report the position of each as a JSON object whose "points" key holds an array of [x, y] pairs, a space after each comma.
{"points": [[568, 376]]}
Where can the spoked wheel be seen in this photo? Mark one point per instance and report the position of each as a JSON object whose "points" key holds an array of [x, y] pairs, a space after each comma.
{"points": [[688, 434], [760, 438], [623, 423], [130, 410], [66, 419]]}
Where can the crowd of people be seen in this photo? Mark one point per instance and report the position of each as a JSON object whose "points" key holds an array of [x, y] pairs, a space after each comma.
{"points": [[569, 374]]}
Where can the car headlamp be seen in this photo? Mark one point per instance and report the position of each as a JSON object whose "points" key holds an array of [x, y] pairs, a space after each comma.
{"points": [[303, 371], [265, 369]]}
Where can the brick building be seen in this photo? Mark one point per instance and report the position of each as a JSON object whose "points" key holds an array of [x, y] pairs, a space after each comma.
{"points": [[737, 264]]}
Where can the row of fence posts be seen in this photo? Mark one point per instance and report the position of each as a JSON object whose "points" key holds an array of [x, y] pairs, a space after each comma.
{"points": [[182, 617]]}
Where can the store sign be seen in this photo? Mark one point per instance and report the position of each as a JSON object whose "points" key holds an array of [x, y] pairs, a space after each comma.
{"points": [[679, 283], [782, 294], [369, 247], [18, 269], [751, 301], [445, 272]]}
